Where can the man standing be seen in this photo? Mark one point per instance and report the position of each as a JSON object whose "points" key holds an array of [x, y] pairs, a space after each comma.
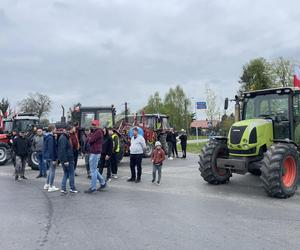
{"points": [[174, 142], [105, 159], [21, 147], [115, 152], [66, 157], [95, 141], [37, 146], [75, 145], [170, 144], [50, 157], [85, 151], [137, 148], [183, 142]]}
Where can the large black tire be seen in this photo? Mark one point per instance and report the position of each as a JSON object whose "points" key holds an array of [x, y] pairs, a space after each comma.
{"points": [[208, 162], [279, 172], [4, 153], [33, 161]]}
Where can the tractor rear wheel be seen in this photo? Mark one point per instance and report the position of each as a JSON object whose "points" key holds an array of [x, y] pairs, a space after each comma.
{"points": [[149, 150], [33, 161], [280, 170], [208, 162], [4, 153]]}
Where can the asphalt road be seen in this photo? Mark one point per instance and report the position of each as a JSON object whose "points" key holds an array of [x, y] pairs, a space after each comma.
{"points": [[183, 213]]}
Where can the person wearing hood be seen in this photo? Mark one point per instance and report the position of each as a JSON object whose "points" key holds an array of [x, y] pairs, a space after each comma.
{"points": [[50, 157], [66, 157], [21, 148]]}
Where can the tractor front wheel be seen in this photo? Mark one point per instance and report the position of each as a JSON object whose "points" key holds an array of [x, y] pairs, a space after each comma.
{"points": [[4, 153], [280, 170], [208, 162]]}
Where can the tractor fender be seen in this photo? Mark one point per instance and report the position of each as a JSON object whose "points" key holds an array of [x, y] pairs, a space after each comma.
{"points": [[287, 141], [219, 138]]}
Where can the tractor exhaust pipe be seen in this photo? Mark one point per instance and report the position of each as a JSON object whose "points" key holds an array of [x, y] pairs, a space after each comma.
{"points": [[63, 118], [237, 109]]}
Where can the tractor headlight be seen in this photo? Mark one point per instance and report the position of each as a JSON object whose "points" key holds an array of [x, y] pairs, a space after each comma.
{"points": [[245, 146], [245, 140]]}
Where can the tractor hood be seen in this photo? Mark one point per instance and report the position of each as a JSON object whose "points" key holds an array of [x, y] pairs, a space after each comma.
{"points": [[248, 136]]}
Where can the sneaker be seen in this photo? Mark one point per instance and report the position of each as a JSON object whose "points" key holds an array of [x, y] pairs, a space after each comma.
{"points": [[108, 180], [46, 186], [39, 176], [153, 181], [63, 191], [103, 186], [131, 180], [90, 191], [114, 176], [171, 158], [74, 191], [53, 189], [24, 178], [158, 183], [45, 175]]}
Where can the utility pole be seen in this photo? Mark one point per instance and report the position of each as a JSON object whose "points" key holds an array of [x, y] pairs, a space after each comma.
{"points": [[126, 112]]}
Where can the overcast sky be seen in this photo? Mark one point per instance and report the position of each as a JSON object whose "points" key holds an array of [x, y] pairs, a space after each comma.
{"points": [[107, 52]]}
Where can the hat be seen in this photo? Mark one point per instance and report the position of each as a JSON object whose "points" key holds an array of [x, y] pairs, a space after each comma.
{"points": [[157, 144], [96, 123]]}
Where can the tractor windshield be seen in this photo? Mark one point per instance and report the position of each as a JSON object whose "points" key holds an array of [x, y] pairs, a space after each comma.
{"points": [[273, 106], [24, 125]]}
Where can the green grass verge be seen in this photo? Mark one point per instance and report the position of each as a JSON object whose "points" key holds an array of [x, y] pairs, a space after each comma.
{"points": [[193, 137], [194, 148]]}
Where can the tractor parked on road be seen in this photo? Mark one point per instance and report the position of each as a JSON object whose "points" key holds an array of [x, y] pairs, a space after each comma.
{"points": [[264, 142]]}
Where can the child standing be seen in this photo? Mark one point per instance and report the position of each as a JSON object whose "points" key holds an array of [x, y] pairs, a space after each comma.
{"points": [[158, 156]]}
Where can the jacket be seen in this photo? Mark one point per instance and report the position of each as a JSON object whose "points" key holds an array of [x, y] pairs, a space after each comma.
{"points": [[95, 141], [183, 139], [138, 145], [64, 149], [21, 146], [50, 147], [158, 156], [37, 143], [107, 146], [171, 137], [74, 141]]}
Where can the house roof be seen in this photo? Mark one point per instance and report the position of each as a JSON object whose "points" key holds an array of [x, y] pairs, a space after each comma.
{"points": [[203, 124]]}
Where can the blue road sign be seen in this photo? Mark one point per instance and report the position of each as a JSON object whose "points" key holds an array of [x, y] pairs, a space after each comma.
{"points": [[201, 105]]}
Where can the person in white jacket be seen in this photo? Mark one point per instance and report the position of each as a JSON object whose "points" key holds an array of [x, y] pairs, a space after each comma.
{"points": [[137, 148]]}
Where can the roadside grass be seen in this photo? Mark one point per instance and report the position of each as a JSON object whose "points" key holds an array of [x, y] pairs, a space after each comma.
{"points": [[200, 137], [193, 148]]}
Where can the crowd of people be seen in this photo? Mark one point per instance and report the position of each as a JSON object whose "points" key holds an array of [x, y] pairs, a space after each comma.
{"points": [[100, 149]]}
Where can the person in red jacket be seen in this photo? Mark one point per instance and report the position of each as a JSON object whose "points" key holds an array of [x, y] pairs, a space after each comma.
{"points": [[158, 156], [95, 141]]}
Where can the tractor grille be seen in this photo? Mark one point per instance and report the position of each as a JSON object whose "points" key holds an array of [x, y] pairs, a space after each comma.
{"points": [[236, 134], [243, 152]]}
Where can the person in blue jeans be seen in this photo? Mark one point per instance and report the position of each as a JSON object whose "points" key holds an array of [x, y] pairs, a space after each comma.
{"points": [[66, 157], [50, 157], [37, 146], [95, 141]]}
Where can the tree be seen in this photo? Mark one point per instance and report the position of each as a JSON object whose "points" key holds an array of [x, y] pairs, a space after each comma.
{"points": [[282, 72], [155, 104], [4, 105], [256, 75], [36, 103], [212, 111], [226, 123]]}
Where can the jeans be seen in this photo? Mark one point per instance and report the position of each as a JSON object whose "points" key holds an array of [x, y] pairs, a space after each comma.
{"points": [[94, 159], [51, 175], [42, 165], [158, 169], [136, 160], [20, 165], [183, 146], [69, 173]]}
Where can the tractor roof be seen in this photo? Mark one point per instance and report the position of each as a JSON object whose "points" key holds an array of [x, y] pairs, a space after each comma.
{"points": [[282, 90]]}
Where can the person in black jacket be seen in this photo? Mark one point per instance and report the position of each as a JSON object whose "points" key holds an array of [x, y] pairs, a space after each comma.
{"points": [[66, 157], [21, 148], [106, 154], [183, 142]]}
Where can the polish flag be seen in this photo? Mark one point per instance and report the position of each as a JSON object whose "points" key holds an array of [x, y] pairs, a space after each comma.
{"points": [[296, 76]]}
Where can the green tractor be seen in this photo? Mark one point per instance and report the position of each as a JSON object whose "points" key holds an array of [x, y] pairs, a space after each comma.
{"points": [[265, 142]]}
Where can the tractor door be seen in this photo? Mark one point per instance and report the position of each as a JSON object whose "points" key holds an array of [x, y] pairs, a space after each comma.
{"points": [[296, 120]]}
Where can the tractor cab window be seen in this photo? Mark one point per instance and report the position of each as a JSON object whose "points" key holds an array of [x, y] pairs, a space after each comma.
{"points": [[296, 111], [87, 118], [24, 125], [106, 119], [165, 123], [8, 126], [270, 106]]}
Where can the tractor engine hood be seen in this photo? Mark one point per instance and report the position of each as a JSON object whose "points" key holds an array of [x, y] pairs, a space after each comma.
{"points": [[248, 136]]}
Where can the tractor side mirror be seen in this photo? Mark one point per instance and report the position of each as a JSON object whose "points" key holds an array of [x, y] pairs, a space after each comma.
{"points": [[226, 104]]}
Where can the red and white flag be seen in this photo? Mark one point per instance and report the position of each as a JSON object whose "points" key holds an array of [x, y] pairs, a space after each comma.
{"points": [[296, 76]]}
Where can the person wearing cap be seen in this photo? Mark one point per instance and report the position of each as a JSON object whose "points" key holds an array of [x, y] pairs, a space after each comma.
{"points": [[66, 157], [21, 147], [50, 157], [95, 141], [137, 148], [157, 157], [183, 143]]}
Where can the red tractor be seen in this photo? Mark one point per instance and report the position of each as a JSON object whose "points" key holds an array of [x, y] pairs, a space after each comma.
{"points": [[155, 127], [17, 122]]}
